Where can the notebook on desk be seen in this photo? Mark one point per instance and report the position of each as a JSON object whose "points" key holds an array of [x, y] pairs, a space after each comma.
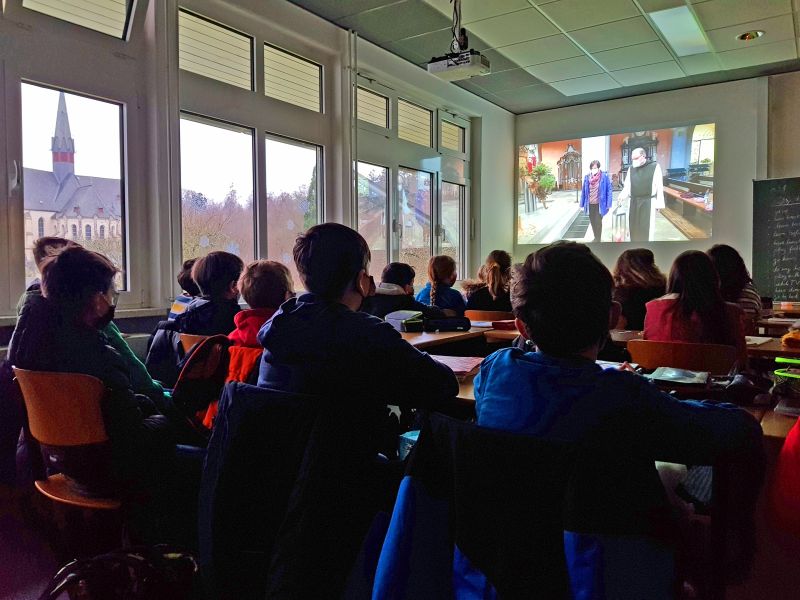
{"points": [[754, 340]]}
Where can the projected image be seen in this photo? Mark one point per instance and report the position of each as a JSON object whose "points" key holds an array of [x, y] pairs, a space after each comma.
{"points": [[640, 186]]}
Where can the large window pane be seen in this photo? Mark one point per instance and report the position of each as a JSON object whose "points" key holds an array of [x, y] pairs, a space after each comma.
{"points": [[452, 218], [216, 188], [105, 16], [373, 192], [72, 174], [294, 182], [414, 189]]}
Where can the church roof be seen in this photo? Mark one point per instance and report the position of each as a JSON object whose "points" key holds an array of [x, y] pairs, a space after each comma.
{"points": [[93, 196]]}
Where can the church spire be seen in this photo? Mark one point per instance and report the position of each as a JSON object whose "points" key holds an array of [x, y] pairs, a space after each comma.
{"points": [[63, 146]]}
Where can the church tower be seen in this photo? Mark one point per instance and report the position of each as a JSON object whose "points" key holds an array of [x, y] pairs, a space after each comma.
{"points": [[63, 146]]}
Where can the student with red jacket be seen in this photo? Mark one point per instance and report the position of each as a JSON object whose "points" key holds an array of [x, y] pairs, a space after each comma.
{"points": [[264, 285], [693, 309]]}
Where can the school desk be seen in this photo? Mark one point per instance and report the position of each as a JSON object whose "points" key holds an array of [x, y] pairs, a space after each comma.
{"points": [[424, 340]]}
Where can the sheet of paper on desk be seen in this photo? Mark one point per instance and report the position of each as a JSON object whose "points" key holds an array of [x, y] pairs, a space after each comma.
{"points": [[754, 340], [462, 366], [679, 375], [481, 323], [609, 364]]}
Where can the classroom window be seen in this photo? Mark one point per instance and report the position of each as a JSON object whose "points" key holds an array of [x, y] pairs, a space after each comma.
{"points": [[213, 50], [106, 16], [216, 188], [373, 192], [293, 79], [372, 108], [452, 217], [88, 233], [414, 195], [414, 123], [66, 186], [453, 137], [294, 185], [40, 227]]}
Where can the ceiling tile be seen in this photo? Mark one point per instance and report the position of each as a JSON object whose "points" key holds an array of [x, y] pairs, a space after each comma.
{"points": [[615, 35], [569, 68], [775, 29], [473, 10], [723, 13], [534, 52], [700, 63], [654, 5], [507, 80], [499, 62], [428, 45], [758, 55], [577, 14], [585, 85], [406, 51], [633, 56], [648, 73], [513, 28], [530, 98], [335, 9], [396, 21]]}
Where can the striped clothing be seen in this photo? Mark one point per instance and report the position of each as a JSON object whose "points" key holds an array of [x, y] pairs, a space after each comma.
{"points": [[179, 306], [750, 301]]}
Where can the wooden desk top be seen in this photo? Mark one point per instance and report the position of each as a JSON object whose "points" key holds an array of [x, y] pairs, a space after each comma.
{"points": [[776, 425], [677, 195], [500, 335], [425, 340], [771, 349]]}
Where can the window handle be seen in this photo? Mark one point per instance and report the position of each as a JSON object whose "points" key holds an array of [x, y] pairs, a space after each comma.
{"points": [[13, 178]]}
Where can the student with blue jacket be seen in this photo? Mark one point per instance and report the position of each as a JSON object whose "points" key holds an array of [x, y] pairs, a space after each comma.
{"points": [[439, 289], [596, 197], [622, 422]]}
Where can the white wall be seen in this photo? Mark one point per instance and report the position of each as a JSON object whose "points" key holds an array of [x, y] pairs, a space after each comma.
{"points": [[739, 110], [492, 143]]}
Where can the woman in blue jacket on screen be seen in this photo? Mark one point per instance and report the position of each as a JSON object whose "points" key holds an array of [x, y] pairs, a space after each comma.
{"points": [[596, 197]]}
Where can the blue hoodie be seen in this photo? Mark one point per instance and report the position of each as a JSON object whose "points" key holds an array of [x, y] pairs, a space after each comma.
{"points": [[446, 297], [321, 347]]}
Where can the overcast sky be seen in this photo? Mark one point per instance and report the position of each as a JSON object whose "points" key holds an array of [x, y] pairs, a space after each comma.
{"points": [[212, 158]]}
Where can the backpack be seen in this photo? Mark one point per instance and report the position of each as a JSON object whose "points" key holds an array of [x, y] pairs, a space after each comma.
{"points": [[164, 353], [140, 573]]}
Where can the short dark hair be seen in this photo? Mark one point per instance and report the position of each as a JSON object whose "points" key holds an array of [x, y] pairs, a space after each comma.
{"points": [[264, 284], [563, 295], [398, 273], [593, 163], [216, 271], [185, 278], [72, 276], [328, 258], [48, 245]]}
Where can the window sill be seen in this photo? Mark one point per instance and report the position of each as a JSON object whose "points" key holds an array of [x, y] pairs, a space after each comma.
{"points": [[121, 313]]}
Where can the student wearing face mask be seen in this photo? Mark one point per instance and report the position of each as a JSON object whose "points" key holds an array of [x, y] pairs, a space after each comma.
{"points": [[644, 187], [78, 303], [596, 198]]}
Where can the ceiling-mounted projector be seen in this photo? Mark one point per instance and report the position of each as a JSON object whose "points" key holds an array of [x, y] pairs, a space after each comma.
{"points": [[461, 65]]}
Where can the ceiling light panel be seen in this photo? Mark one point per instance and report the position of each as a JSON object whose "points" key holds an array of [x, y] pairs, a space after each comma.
{"points": [[681, 30]]}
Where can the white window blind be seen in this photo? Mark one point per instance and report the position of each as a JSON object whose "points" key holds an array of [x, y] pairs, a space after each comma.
{"points": [[372, 108], [414, 123], [214, 51], [452, 136], [293, 79], [105, 16]]}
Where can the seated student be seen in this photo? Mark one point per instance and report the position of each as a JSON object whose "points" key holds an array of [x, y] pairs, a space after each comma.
{"points": [[736, 284], [264, 285], [189, 290], [693, 309], [620, 421], [490, 290], [439, 289], [396, 292], [78, 305], [216, 275], [637, 281], [319, 343]]}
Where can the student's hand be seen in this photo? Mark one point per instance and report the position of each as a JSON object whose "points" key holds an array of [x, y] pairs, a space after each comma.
{"points": [[626, 366]]}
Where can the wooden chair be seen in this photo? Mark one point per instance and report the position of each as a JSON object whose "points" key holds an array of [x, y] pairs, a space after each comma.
{"points": [[488, 315], [188, 340], [714, 358], [64, 410]]}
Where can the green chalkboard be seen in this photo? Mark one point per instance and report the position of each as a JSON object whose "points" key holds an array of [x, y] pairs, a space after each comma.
{"points": [[776, 238]]}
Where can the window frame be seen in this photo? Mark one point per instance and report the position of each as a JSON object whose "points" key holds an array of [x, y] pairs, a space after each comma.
{"points": [[391, 130]]}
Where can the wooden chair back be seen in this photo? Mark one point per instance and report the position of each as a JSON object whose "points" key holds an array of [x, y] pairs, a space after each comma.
{"points": [[188, 340], [488, 315], [63, 408], [714, 358]]}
